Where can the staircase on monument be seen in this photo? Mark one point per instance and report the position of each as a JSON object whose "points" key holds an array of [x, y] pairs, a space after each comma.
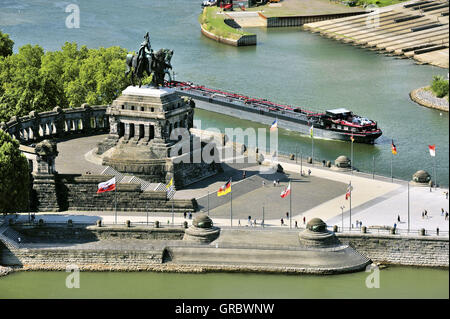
{"points": [[145, 186]]}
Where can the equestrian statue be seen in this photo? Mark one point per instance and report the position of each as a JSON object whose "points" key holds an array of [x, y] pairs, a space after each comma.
{"points": [[146, 61]]}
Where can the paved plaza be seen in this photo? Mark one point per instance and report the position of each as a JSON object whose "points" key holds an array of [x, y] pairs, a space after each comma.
{"points": [[376, 202]]}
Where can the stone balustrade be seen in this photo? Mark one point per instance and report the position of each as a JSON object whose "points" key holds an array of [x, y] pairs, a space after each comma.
{"points": [[59, 123]]}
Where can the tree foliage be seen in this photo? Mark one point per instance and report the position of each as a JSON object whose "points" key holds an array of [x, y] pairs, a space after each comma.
{"points": [[14, 176], [439, 86], [6, 45], [34, 80]]}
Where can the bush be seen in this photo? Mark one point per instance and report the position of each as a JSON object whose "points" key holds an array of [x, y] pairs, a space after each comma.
{"points": [[14, 176], [439, 86]]}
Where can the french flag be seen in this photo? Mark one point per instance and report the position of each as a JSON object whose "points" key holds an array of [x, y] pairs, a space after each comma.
{"points": [[274, 125], [107, 186]]}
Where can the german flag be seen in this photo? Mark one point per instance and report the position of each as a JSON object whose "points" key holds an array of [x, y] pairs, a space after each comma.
{"points": [[225, 189], [393, 148]]}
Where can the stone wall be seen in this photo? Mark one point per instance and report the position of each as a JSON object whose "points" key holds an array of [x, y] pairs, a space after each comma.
{"points": [[61, 233], [401, 250], [79, 192], [42, 258]]}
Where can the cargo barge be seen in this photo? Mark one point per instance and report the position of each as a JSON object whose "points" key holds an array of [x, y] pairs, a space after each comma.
{"points": [[337, 124]]}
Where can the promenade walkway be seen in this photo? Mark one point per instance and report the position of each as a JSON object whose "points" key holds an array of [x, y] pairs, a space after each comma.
{"points": [[375, 202]]}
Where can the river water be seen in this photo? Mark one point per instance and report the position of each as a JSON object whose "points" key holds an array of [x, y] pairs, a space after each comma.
{"points": [[394, 282], [287, 66]]}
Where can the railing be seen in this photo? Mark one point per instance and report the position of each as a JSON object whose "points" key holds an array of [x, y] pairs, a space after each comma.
{"points": [[57, 123]]}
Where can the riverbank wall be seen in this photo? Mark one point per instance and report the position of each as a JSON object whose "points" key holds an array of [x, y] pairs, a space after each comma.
{"points": [[425, 97], [243, 40], [295, 21], [149, 249], [426, 251]]}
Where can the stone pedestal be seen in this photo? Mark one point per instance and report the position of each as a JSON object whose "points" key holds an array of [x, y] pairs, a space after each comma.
{"points": [[151, 139], [317, 235], [202, 230]]}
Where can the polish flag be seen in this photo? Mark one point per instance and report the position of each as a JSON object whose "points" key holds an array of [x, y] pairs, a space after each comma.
{"points": [[432, 149], [107, 186], [286, 192], [349, 191]]}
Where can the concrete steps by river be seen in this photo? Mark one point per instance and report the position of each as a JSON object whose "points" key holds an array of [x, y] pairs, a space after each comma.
{"points": [[414, 29]]}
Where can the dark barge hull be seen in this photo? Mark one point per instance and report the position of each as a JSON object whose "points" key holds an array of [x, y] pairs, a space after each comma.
{"points": [[298, 123]]}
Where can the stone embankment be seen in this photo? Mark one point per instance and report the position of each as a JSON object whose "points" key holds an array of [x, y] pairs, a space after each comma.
{"points": [[243, 40], [162, 250], [425, 97], [426, 251], [413, 29]]}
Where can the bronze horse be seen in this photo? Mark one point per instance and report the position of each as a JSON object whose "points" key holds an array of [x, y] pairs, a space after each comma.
{"points": [[155, 64]]}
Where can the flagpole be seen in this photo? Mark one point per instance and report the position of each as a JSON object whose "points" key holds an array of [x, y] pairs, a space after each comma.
{"points": [[392, 176], [351, 156], [408, 208], [173, 217], [373, 167], [208, 203], [290, 205], [231, 203], [350, 205], [262, 224], [312, 152], [115, 203]]}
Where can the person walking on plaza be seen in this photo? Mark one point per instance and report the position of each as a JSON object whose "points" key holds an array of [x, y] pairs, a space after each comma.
{"points": [[287, 215], [398, 218], [185, 215], [254, 222], [263, 183], [304, 220], [437, 231], [282, 222], [446, 215], [239, 222], [423, 214], [274, 183], [296, 225], [309, 172], [426, 214], [243, 175]]}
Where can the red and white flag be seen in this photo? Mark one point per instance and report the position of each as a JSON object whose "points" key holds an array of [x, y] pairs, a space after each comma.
{"points": [[286, 191], [107, 186], [432, 149], [349, 191]]}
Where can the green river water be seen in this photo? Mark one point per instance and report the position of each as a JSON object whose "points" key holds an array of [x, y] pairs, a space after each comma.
{"points": [[395, 282], [287, 66]]}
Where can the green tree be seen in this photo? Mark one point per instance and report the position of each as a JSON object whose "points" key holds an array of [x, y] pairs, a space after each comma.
{"points": [[24, 87], [6, 45], [439, 86], [14, 176], [32, 80]]}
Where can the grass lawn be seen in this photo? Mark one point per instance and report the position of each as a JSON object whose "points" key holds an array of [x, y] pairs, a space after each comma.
{"points": [[212, 20]]}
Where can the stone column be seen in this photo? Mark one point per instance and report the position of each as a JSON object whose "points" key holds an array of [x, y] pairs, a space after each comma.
{"points": [[147, 132], [136, 132], [127, 131], [59, 121]]}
